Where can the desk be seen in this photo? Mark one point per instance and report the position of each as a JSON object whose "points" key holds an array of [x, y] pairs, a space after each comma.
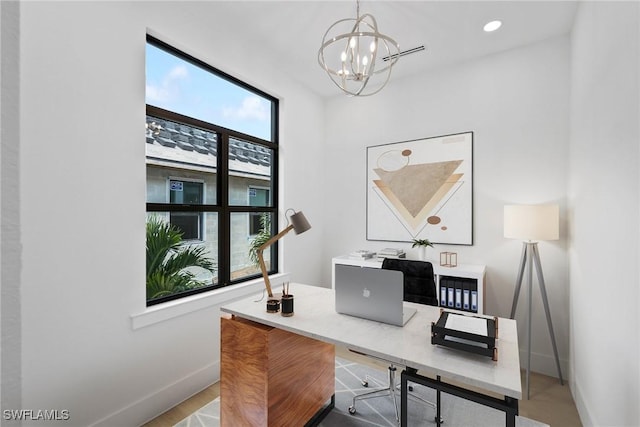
{"points": [[315, 317]]}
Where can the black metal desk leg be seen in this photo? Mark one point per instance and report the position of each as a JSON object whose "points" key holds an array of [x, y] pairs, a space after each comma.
{"points": [[438, 412], [511, 411], [403, 399]]}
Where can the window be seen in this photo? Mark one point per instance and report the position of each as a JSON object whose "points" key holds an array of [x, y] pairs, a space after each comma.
{"points": [[211, 159], [189, 223], [257, 197]]}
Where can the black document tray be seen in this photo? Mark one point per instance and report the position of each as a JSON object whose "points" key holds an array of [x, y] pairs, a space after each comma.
{"points": [[466, 341]]}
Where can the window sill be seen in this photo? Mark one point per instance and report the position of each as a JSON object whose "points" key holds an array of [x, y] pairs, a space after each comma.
{"points": [[169, 310]]}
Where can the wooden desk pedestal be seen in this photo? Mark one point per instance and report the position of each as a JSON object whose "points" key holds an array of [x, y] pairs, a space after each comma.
{"points": [[271, 377]]}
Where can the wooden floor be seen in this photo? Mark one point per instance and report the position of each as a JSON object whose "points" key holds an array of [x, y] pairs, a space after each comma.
{"points": [[550, 402]]}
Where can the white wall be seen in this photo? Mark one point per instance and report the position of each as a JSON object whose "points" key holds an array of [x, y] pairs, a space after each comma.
{"points": [[9, 209], [517, 105], [82, 204], [604, 197]]}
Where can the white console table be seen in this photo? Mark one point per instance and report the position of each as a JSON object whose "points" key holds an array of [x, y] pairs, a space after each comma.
{"points": [[463, 271]]}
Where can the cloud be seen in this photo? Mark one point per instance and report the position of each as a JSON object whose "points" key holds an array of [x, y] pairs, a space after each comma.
{"points": [[252, 107], [169, 86]]}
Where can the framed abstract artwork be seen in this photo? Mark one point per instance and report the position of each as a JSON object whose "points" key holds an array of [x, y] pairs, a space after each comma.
{"points": [[421, 189]]}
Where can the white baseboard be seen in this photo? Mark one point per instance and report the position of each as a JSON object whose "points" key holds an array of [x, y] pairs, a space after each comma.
{"points": [[164, 399], [158, 402], [586, 417]]}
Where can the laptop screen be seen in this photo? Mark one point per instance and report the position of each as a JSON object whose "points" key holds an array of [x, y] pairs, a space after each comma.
{"points": [[370, 293]]}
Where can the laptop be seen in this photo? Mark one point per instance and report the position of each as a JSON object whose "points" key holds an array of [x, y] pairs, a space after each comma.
{"points": [[371, 293]]}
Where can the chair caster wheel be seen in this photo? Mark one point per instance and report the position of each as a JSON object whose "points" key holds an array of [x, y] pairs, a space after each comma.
{"points": [[365, 383], [352, 410], [435, 420]]}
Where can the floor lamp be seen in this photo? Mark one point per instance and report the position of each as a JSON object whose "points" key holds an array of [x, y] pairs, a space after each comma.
{"points": [[532, 223], [296, 222]]}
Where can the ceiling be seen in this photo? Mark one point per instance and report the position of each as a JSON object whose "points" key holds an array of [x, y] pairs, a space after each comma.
{"points": [[451, 31]]}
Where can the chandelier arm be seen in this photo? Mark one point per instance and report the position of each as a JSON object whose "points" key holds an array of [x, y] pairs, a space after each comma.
{"points": [[327, 43], [363, 86], [333, 25], [390, 64], [356, 26], [361, 34]]}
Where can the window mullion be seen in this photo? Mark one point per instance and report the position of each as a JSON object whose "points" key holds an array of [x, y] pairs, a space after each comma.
{"points": [[173, 207], [224, 224]]}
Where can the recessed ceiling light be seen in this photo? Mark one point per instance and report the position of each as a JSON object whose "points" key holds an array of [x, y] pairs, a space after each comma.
{"points": [[492, 26]]}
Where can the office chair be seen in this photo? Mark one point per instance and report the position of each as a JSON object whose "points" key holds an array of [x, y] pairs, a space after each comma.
{"points": [[419, 287]]}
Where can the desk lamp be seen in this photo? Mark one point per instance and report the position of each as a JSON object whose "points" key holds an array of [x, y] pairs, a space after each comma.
{"points": [[531, 223], [299, 224]]}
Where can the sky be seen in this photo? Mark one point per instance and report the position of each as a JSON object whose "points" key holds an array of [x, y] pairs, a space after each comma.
{"points": [[177, 85]]}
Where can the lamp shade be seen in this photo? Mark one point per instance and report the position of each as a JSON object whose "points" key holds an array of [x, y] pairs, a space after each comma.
{"points": [[299, 222], [532, 222]]}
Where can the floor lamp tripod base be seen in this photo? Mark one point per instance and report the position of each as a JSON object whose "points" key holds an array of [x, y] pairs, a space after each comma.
{"points": [[530, 256]]}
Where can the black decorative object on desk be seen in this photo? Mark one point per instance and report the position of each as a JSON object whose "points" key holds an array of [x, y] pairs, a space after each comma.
{"points": [[286, 301], [273, 305]]}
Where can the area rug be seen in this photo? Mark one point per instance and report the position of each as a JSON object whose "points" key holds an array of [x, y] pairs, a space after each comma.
{"points": [[456, 412]]}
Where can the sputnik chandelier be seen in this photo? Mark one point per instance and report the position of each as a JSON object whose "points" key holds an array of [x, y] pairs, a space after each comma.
{"points": [[357, 57]]}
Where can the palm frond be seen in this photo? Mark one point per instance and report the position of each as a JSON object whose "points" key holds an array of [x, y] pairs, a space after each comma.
{"points": [[167, 259], [162, 239], [188, 257], [261, 238], [160, 284]]}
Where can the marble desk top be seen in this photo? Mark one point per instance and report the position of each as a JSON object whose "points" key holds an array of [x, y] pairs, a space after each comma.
{"points": [[410, 346]]}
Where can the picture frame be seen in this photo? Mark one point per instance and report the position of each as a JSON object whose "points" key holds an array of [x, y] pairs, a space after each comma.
{"points": [[421, 189]]}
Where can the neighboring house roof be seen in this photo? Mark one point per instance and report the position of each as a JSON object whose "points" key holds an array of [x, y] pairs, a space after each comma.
{"points": [[176, 145]]}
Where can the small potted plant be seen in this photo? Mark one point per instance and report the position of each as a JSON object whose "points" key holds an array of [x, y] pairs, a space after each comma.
{"points": [[422, 247]]}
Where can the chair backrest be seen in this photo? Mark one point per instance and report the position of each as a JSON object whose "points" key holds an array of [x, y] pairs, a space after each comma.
{"points": [[419, 282]]}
